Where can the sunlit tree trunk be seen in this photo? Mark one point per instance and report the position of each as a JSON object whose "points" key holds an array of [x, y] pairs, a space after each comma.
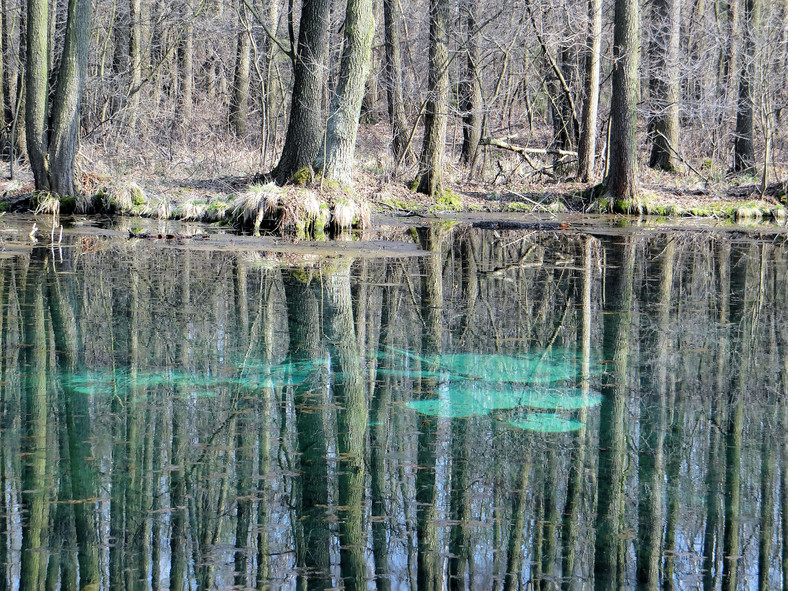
{"points": [[239, 99], [305, 128], [337, 157], [52, 138], [622, 180], [36, 85], [665, 83], [587, 145], [436, 113]]}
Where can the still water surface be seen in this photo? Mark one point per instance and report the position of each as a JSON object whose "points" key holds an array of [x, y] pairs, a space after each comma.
{"points": [[499, 410]]}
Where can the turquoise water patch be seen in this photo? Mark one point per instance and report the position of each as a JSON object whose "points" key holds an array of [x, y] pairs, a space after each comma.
{"points": [[546, 423]]}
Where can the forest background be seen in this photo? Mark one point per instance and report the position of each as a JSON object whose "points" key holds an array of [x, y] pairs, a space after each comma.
{"points": [[187, 108]]}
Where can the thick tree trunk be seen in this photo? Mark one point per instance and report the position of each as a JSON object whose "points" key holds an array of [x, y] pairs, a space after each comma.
{"points": [[744, 149], [436, 115], [36, 86], [68, 99], [239, 101], [305, 128], [470, 90], [664, 84], [587, 146], [336, 160], [396, 104], [622, 181]]}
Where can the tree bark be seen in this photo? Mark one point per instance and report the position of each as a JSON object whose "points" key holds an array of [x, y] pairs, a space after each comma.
{"points": [[36, 90], [305, 128], [744, 149], [436, 114], [664, 84], [587, 144], [135, 54], [185, 58], [239, 101], [622, 180], [470, 90], [64, 139], [336, 159], [396, 105]]}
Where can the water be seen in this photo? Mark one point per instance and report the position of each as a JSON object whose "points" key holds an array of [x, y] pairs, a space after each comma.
{"points": [[498, 409]]}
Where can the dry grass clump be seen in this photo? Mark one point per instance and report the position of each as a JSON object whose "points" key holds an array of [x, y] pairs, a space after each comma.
{"points": [[349, 213], [47, 203], [192, 210], [126, 197], [257, 203]]}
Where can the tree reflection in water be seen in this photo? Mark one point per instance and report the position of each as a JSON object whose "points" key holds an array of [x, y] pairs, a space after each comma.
{"points": [[504, 409]]}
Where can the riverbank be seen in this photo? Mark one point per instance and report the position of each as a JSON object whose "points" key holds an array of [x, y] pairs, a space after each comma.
{"points": [[224, 187]]}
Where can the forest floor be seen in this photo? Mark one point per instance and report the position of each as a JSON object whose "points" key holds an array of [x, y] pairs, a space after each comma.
{"points": [[213, 179]]}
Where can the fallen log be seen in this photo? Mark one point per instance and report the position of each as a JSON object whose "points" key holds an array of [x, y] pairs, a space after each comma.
{"points": [[522, 150]]}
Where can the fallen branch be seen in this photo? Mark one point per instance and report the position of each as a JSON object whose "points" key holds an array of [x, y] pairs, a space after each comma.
{"points": [[489, 141]]}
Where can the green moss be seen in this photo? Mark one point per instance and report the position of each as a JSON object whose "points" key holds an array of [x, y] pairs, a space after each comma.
{"points": [[138, 198], [68, 205], [303, 176], [4, 205], [701, 212], [448, 200], [414, 185]]}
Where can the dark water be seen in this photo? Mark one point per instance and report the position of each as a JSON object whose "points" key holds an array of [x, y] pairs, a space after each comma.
{"points": [[508, 409]]}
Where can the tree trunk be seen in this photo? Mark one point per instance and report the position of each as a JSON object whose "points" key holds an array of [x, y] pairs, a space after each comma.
{"points": [[185, 56], [64, 139], [664, 84], [305, 128], [239, 101], [336, 160], [396, 105], [135, 54], [622, 181], [36, 86], [470, 90], [744, 149], [436, 114], [587, 146]]}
